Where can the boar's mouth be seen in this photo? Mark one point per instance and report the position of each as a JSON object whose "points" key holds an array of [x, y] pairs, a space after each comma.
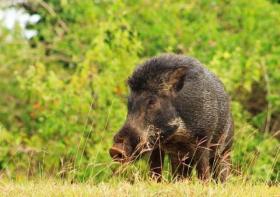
{"points": [[124, 151], [161, 135]]}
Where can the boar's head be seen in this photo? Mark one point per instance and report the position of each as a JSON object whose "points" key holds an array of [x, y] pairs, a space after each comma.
{"points": [[152, 116]]}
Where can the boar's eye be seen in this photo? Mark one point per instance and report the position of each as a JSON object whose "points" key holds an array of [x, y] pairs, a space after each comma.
{"points": [[151, 102]]}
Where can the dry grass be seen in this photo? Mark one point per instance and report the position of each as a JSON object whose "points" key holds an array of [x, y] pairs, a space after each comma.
{"points": [[59, 188]]}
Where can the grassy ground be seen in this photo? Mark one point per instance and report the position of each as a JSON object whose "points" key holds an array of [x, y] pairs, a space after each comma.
{"points": [[58, 188]]}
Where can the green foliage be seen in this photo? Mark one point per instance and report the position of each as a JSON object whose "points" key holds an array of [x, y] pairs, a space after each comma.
{"points": [[255, 154], [63, 91]]}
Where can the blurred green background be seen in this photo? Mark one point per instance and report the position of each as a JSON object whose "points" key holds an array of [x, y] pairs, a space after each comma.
{"points": [[63, 79]]}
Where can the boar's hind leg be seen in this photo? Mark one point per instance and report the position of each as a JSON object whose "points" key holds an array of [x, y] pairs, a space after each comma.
{"points": [[181, 167], [220, 167], [202, 165], [156, 162], [201, 159]]}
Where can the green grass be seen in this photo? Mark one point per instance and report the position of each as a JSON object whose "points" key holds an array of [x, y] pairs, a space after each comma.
{"points": [[143, 188]]}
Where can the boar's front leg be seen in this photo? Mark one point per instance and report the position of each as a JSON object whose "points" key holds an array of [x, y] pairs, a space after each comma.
{"points": [[220, 166], [156, 162]]}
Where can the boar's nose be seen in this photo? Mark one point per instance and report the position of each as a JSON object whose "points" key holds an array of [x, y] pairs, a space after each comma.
{"points": [[118, 153]]}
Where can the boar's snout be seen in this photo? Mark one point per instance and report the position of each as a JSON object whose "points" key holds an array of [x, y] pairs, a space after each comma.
{"points": [[118, 152], [125, 142]]}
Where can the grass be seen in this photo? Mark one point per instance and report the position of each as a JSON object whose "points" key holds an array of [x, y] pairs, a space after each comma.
{"points": [[52, 187]]}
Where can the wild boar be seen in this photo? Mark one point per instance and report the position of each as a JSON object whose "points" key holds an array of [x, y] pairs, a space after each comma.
{"points": [[177, 107]]}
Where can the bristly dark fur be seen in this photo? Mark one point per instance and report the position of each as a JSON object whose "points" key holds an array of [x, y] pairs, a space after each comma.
{"points": [[148, 75]]}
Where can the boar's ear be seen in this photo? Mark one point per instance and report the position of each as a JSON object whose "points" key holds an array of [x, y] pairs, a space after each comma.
{"points": [[174, 80]]}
